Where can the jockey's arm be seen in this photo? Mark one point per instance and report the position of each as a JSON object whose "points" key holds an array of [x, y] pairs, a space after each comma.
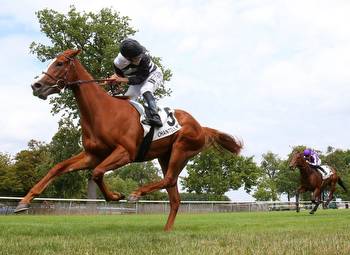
{"points": [[312, 161]]}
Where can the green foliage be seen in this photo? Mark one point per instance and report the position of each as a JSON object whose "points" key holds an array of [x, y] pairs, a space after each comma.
{"points": [[129, 177], [270, 167], [202, 197], [141, 173], [115, 183], [215, 173], [9, 184], [28, 162], [287, 180], [340, 160], [98, 35]]}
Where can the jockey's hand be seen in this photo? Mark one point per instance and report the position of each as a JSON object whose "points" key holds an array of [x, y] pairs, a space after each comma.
{"points": [[119, 79], [113, 80]]}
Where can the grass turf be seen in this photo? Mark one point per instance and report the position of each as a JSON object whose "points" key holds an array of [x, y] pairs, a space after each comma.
{"points": [[326, 232]]}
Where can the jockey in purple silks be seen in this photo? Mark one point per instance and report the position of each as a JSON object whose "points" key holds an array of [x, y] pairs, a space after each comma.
{"points": [[313, 160]]}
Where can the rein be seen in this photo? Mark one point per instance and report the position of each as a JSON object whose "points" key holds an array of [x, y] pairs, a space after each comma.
{"points": [[62, 83]]}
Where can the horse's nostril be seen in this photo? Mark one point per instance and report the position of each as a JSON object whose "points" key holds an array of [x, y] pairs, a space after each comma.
{"points": [[37, 85]]}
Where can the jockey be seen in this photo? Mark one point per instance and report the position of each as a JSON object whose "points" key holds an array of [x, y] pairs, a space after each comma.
{"points": [[313, 160], [134, 66]]}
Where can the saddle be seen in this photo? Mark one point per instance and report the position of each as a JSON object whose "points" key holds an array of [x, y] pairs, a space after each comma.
{"points": [[151, 133], [328, 171]]}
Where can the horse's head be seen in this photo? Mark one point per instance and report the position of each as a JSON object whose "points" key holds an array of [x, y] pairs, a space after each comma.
{"points": [[55, 78], [297, 160]]}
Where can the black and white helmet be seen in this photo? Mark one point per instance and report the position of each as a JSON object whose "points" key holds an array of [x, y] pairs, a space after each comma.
{"points": [[131, 48]]}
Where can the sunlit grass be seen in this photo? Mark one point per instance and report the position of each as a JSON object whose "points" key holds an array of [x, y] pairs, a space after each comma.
{"points": [[327, 232]]}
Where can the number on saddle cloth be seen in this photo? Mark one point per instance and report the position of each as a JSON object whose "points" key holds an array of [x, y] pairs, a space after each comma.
{"points": [[170, 123], [170, 126]]}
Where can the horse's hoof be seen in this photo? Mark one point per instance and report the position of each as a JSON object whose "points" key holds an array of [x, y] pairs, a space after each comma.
{"points": [[312, 212], [21, 208], [115, 197], [133, 198]]}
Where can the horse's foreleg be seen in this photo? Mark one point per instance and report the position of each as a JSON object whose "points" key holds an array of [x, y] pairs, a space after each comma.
{"points": [[317, 199], [299, 190], [119, 157], [78, 162], [174, 196]]}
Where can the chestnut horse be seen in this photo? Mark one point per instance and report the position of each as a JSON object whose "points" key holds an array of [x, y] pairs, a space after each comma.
{"points": [[311, 180], [112, 134]]}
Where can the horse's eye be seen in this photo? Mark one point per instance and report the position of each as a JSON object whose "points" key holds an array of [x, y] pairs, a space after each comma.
{"points": [[59, 64]]}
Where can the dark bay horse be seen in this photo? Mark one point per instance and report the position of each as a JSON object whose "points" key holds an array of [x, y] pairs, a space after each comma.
{"points": [[112, 134], [311, 180]]}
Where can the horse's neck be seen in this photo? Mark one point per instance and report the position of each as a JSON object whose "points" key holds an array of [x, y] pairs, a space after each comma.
{"points": [[90, 96], [305, 170]]}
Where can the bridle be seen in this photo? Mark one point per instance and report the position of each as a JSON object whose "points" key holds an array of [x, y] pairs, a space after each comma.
{"points": [[63, 83]]}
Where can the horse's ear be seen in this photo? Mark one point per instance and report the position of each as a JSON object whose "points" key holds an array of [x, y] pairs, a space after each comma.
{"points": [[71, 53], [74, 53]]}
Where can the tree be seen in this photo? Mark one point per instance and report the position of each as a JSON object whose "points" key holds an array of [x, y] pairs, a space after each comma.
{"points": [[200, 197], [267, 188], [28, 162], [9, 184], [340, 160], [139, 174], [287, 181], [215, 173]]}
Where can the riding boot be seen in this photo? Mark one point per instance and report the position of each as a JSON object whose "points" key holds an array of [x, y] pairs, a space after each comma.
{"points": [[153, 117], [323, 171]]}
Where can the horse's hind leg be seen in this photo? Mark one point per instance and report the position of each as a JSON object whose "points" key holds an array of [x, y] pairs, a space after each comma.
{"points": [[173, 193], [330, 196], [177, 162]]}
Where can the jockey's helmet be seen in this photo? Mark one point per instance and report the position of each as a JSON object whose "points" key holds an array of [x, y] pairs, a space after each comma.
{"points": [[307, 152], [131, 48]]}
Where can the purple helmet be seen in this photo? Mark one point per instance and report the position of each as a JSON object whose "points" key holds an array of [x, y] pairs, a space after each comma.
{"points": [[307, 152]]}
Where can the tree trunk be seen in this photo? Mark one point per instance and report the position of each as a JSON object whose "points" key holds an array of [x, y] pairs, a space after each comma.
{"points": [[92, 194]]}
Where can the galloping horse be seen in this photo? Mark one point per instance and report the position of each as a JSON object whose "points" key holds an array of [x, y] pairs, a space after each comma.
{"points": [[311, 180], [112, 134]]}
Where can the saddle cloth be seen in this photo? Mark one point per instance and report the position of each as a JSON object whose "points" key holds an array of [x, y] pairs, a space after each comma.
{"points": [[167, 116], [328, 171]]}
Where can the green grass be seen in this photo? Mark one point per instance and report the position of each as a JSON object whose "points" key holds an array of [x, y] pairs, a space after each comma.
{"points": [[327, 232]]}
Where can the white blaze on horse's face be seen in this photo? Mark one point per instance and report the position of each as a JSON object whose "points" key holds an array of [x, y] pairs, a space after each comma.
{"points": [[41, 88], [41, 76]]}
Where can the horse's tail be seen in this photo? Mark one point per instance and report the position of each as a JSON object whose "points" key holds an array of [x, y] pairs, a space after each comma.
{"points": [[341, 183], [228, 142]]}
